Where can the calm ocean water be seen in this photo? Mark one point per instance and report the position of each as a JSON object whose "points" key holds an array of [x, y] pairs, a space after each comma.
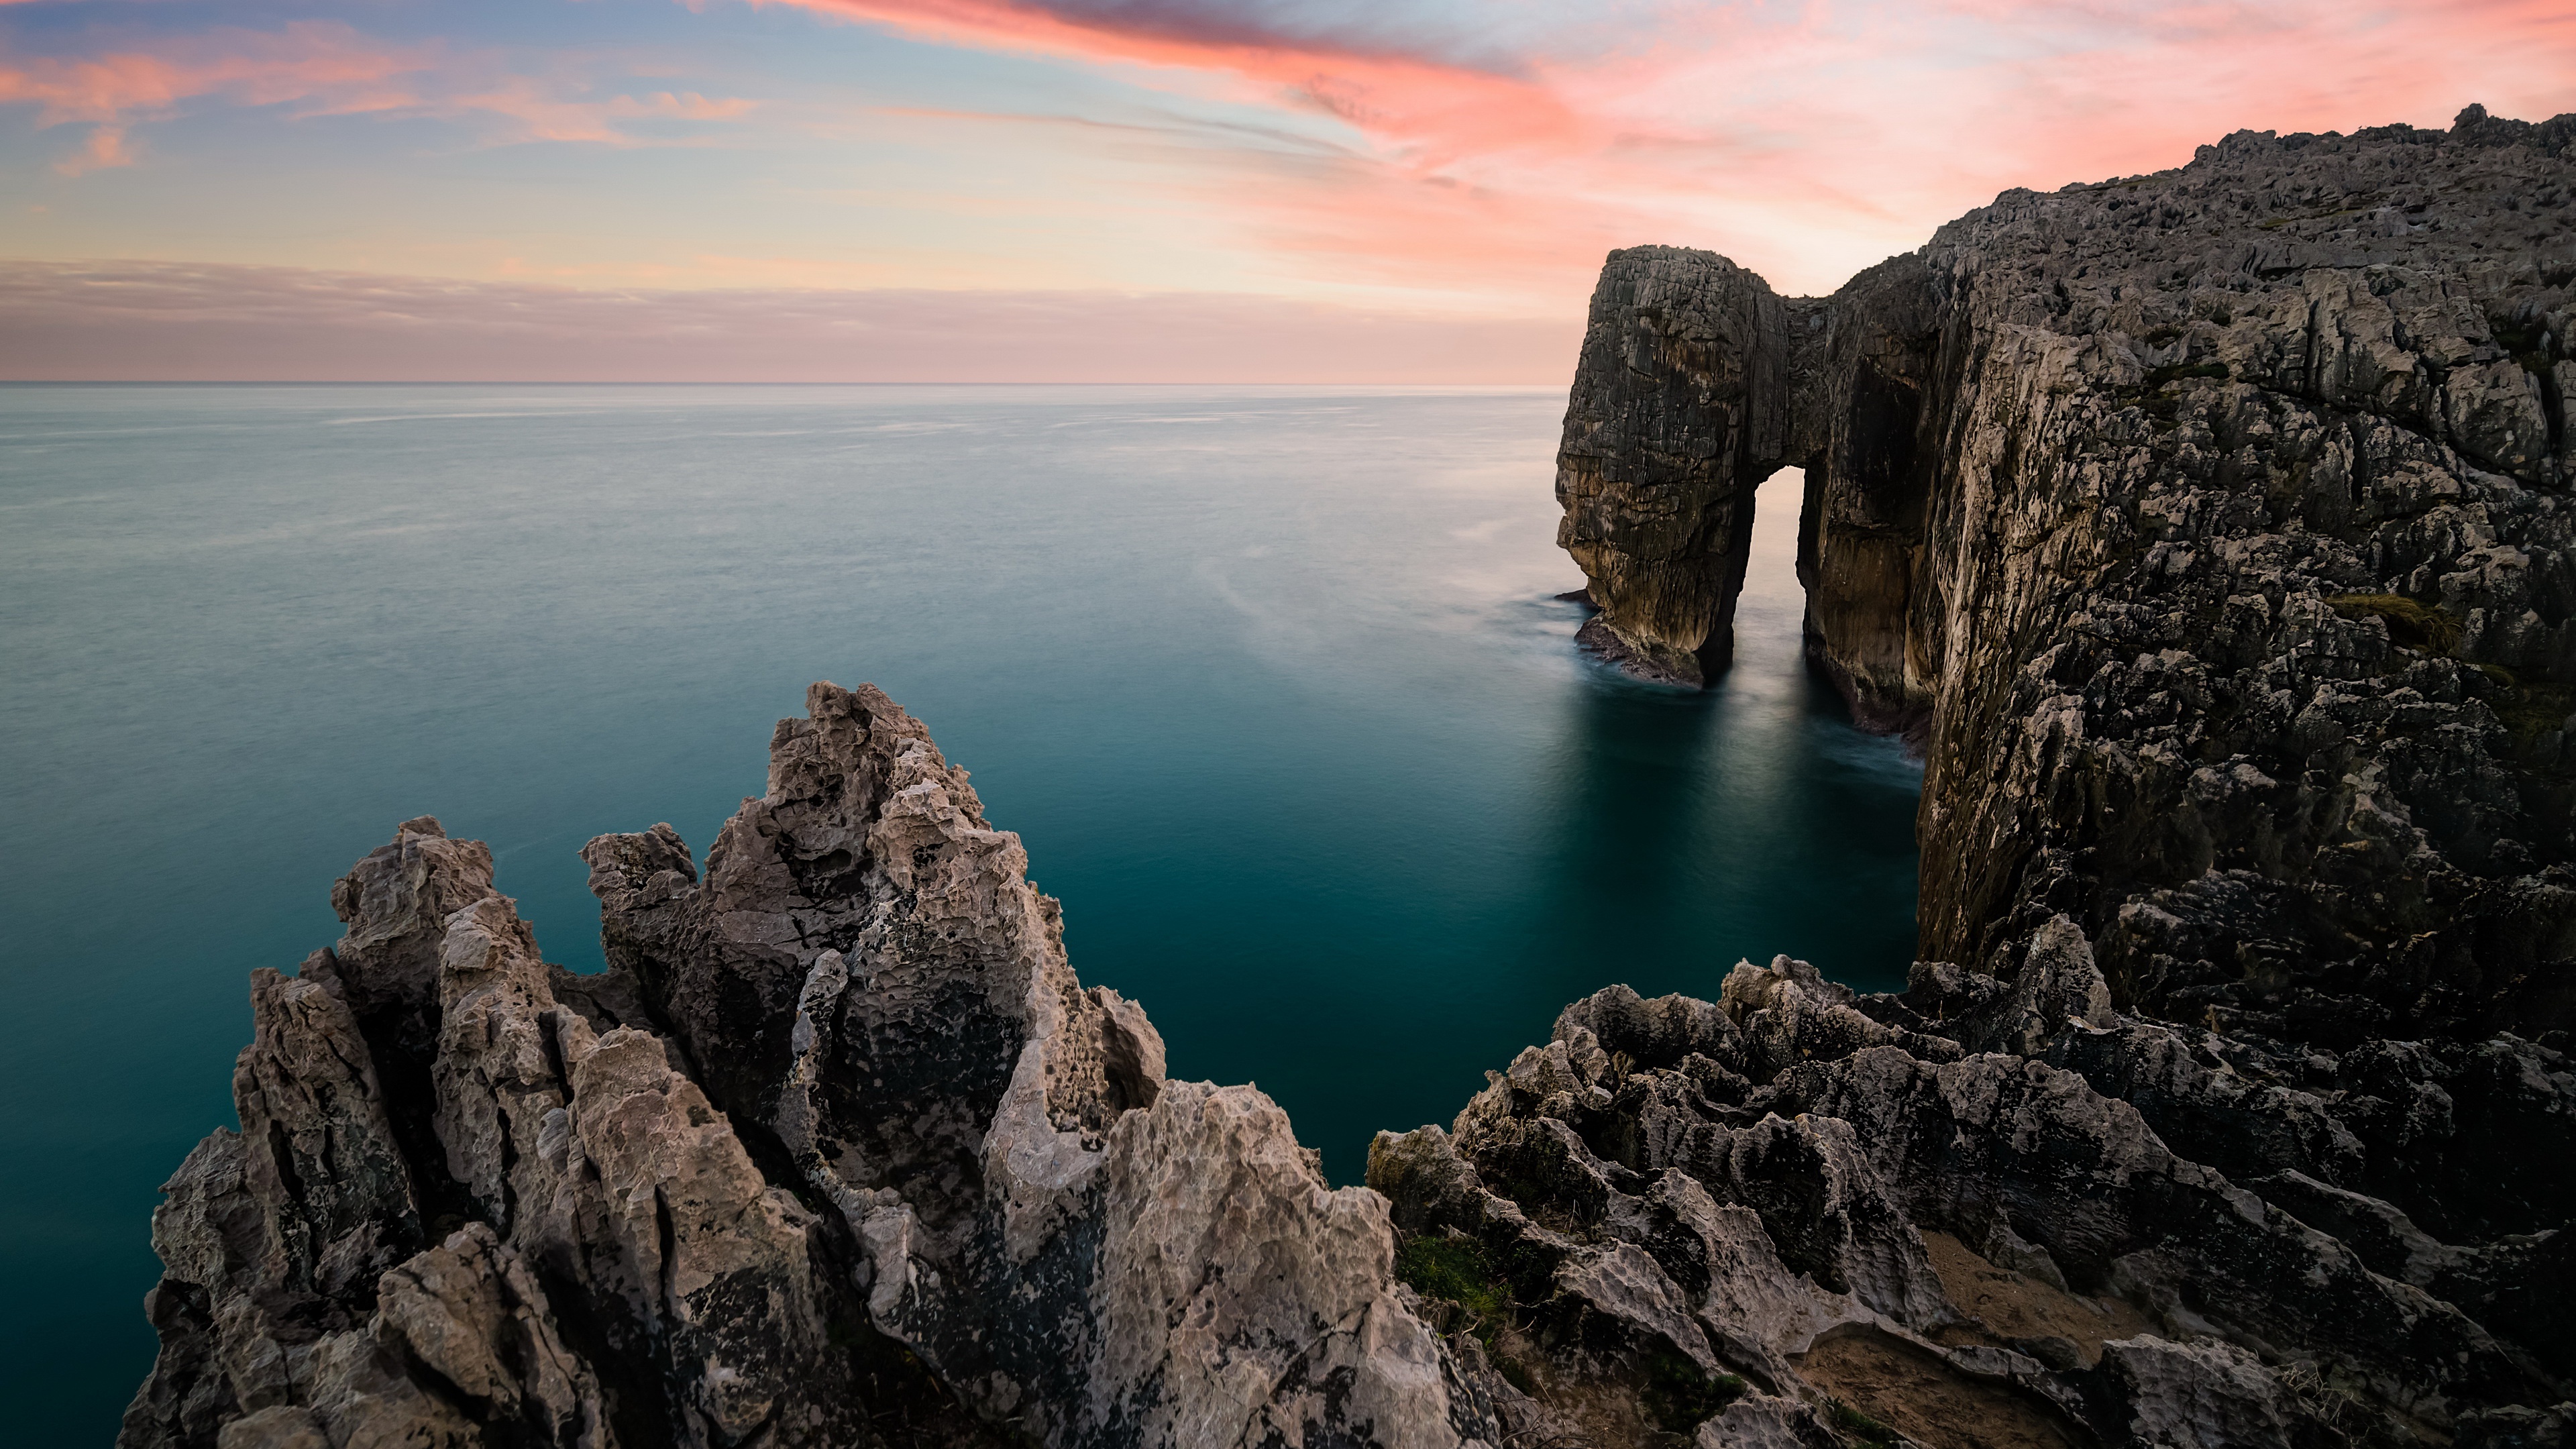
{"points": [[1271, 680]]}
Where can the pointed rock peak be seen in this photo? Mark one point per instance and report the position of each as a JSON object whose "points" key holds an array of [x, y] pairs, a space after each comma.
{"points": [[395, 904]]}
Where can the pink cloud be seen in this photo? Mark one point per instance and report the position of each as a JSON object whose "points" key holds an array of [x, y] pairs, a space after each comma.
{"points": [[1808, 141], [105, 147], [685, 106], [149, 321], [310, 62], [1478, 157], [324, 68], [1403, 99]]}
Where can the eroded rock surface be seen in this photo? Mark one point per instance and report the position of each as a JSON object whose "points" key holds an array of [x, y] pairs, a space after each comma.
{"points": [[1841, 1216], [943, 1195], [839, 1152], [2212, 532]]}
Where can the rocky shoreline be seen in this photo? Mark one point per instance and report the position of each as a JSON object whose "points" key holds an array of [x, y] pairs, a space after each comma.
{"points": [[2212, 529]]}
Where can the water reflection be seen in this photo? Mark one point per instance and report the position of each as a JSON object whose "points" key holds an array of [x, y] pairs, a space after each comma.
{"points": [[1634, 763], [1692, 829]]}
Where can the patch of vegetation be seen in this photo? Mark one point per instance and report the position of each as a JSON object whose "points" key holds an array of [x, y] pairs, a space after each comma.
{"points": [[2223, 317], [1678, 1396], [1459, 1271], [2410, 624], [2176, 371], [2532, 710], [1860, 1428], [2498, 673], [1455, 1270]]}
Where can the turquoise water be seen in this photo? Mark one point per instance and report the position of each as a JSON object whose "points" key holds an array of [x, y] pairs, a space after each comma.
{"points": [[1271, 680]]}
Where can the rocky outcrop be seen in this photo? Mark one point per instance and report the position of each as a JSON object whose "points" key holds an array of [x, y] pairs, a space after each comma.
{"points": [[839, 1152], [1681, 407], [1865, 1219], [2210, 530]]}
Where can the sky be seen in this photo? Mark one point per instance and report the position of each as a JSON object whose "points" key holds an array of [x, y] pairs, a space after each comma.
{"points": [[1076, 190]]}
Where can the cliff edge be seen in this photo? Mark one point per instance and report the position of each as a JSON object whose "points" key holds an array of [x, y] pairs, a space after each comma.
{"points": [[2210, 530]]}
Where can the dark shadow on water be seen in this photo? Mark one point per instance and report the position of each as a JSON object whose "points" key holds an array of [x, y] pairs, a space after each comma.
{"points": [[1691, 829], [1634, 759]]}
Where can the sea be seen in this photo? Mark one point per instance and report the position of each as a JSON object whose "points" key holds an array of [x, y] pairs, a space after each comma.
{"points": [[1275, 683]]}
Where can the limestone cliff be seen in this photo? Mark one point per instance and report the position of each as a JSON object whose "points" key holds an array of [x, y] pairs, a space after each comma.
{"points": [[839, 1152], [2212, 531], [1794, 1216]]}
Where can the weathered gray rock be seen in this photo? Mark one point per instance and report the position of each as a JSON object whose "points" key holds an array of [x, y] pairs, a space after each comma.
{"points": [[892, 1005], [1831, 1215], [1681, 406], [2210, 532], [2209, 529], [2184, 1395], [840, 1152]]}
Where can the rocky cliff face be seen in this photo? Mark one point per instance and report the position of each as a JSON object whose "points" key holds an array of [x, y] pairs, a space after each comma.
{"points": [[1682, 406], [2212, 530], [1799, 1217], [838, 1152]]}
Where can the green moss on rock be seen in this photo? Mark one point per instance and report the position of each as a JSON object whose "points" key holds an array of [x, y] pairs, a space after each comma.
{"points": [[2413, 625], [1678, 1395], [1455, 1270]]}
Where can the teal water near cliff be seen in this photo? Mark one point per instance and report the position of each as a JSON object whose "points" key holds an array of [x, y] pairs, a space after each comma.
{"points": [[1272, 681]]}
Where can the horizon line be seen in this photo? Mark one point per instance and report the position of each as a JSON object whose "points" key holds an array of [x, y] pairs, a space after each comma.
{"points": [[709, 382]]}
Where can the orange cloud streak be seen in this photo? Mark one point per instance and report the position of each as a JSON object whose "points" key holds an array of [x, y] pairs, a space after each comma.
{"points": [[1443, 109], [1808, 143]]}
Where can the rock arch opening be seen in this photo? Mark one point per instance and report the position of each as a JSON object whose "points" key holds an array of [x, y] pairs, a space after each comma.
{"points": [[1697, 382]]}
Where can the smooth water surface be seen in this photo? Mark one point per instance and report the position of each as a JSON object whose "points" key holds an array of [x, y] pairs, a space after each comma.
{"points": [[1272, 681]]}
